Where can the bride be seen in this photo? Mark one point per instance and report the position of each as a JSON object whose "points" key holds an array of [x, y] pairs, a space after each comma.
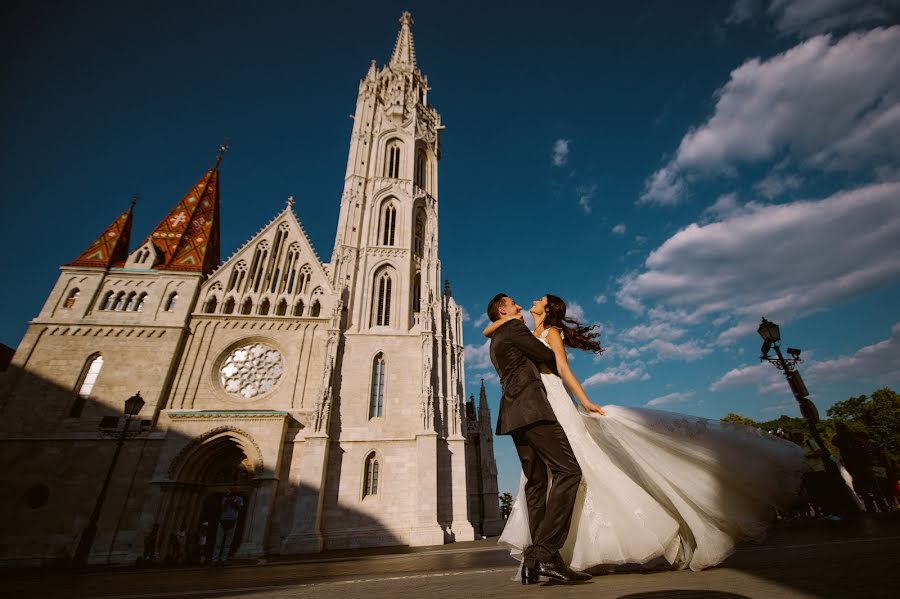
{"points": [[655, 485]]}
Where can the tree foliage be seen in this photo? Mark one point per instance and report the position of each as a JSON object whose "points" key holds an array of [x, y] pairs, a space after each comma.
{"points": [[879, 415]]}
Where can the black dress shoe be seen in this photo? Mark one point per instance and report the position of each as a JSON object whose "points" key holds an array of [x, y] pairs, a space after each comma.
{"points": [[559, 572], [529, 574]]}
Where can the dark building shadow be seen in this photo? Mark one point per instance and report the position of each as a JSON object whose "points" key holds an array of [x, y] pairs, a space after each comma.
{"points": [[52, 468], [683, 594]]}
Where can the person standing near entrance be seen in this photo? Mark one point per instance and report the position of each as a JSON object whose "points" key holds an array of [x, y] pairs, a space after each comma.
{"points": [[230, 511]]}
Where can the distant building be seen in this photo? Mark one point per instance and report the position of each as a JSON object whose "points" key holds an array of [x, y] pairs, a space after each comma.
{"points": [[330, 395], [481, 468]]}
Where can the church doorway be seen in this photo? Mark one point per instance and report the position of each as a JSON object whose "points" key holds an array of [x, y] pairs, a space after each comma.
{"points": [[203, 475]]}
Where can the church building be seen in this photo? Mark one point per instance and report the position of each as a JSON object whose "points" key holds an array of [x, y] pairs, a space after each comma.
{"points": [[329, 395]]}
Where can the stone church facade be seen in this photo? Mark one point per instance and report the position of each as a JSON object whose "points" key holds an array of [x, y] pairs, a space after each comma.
{"points": [[331, 396]]}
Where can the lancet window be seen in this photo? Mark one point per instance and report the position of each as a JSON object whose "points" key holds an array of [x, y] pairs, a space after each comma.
{"points": [[419, 233], [388, 226], [381, 302], [86, 384], [71, 299], [376, 397], [170, 303], [392, 159], [211, 304], [305, 278], [370, 483]]}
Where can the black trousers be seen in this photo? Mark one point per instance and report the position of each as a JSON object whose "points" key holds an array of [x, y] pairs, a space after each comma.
{"points": [[541, 447]]}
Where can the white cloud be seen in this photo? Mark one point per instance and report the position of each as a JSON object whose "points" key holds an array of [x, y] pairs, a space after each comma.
{"points": [[488, 377], [670, 398], [764, 376], [560, 153], [600, 299], [619, 229], [814, 16], [825, 104], [465, 313], [879, 362], [776, 184], [585, 195], [724, 207], [654, 330], [478, 357], [619, 374], [787, 408], [574, 310], [481, 320], [685, 352], [733, 272]]}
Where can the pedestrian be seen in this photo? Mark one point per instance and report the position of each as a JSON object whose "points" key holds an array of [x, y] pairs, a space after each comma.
{"points": [[181, 544], [229, 513], [202, 536], [150, 544]]}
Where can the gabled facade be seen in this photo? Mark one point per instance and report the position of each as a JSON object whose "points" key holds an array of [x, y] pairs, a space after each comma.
{"points": [[330, 396]]}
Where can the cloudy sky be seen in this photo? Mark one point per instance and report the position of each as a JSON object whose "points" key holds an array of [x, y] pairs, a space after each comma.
{"points": [[675, 171]]}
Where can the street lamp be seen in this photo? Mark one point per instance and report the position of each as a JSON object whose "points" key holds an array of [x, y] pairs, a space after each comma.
{"points": [[133, 407], [771, 336]]}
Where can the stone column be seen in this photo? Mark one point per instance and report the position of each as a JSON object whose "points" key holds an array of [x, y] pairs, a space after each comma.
{"points": [[461, 527], [258, 514], [425, 529], [306, 529]]}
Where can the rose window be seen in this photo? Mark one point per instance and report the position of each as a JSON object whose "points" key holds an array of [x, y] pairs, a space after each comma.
{"points": [[251, 370]]}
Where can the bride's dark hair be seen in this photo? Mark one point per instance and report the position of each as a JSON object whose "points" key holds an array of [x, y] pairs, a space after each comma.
{"points": [[574, 333]]}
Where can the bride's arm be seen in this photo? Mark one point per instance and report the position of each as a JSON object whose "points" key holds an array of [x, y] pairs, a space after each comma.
{"points": [[565, 373], [489, 330]]}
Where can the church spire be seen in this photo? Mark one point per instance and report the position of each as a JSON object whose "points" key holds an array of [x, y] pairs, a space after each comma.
{"points": [[111, 248], [404, 49], [188, 237], [483, 408]]}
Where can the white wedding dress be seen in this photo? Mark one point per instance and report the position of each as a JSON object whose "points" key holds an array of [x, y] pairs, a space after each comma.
{"points": [[663, 486]]}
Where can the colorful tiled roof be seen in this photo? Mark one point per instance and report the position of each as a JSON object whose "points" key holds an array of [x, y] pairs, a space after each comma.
{"points": [[188, 237], [111, 248]]}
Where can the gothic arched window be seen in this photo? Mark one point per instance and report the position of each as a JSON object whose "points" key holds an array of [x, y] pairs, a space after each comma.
{"points": [[131, 302], [281, 308], [417, 292], [247, 306], [211, 304], [315, 309], [228, 306], [370, 483], [419, 233], [86, 384], [170, 303], [264, 307], [71, 299], [421, 170], [298, 308], [120, 301], [141, 302], [109, 300], [392, 159], [305, 278], [381, 302], [376, 398], [388, 226]]}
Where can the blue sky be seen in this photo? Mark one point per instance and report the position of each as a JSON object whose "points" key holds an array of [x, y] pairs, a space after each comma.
{"points": [[673, 170]]}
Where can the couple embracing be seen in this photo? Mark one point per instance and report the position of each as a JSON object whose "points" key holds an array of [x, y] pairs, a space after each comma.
{"points": [[608, 486]]}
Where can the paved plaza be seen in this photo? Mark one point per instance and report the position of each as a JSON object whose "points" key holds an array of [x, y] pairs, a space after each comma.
{"points": [[821, 559]]}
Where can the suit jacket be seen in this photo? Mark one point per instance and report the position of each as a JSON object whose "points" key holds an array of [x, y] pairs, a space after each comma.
{"points": [[516, 355]]}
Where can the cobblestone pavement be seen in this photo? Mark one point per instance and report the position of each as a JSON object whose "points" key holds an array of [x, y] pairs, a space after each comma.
{"points": [[841, 560]]}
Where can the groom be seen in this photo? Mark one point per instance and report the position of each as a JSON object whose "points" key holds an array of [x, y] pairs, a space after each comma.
{"points": [[540, 441]]}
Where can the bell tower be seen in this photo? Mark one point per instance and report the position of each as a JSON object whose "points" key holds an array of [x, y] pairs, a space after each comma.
{"points": [[398, 390]]}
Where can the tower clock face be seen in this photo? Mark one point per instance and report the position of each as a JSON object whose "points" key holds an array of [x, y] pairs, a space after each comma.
{"points": [[251, 370]]}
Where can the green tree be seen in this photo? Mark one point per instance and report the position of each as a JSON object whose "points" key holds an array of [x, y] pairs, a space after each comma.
{"points": [[506, 501], [738, 419], [878, 414]]}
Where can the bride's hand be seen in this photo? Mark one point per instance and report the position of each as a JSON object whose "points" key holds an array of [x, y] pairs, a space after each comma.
{"points": [[592, 407], [489, 330]]}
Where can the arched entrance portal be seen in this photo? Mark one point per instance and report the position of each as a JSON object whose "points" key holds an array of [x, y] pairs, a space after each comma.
{"points": [[221, 460]]}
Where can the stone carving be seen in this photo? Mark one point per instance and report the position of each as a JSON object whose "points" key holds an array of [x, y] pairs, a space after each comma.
{"points": [[251, 370]]}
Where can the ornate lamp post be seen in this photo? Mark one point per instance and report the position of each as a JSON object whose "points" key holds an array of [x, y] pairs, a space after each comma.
{"points": [[133, 406], [771, 336]]}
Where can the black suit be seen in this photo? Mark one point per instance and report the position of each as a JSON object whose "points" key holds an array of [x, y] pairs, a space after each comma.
{"points": [[526, 414]]}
